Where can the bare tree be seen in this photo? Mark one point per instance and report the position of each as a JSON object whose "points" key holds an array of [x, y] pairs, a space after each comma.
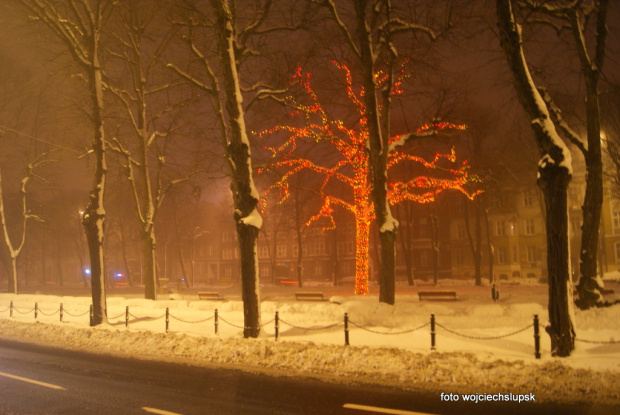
{"points": [[233, 45], [371, 39], [10, 248], [151, 113], [579, 18], [78, 24], [554, 174]]}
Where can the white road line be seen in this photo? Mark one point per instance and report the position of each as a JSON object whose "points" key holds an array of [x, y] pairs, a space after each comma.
{"points": [[379, 410], [158, 411], [35, 382]]}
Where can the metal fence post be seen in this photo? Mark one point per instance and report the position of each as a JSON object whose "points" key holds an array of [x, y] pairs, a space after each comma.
{"points": [[36, 310], [346, 329], [91, 315], [11, 309], [536, 337], [277, 324], [215, 321], [167, 318], [61, 312], [432, 331], [126, 316]]}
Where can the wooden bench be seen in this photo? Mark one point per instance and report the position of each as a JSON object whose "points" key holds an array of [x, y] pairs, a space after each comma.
{"points": [[209, 296], [310, 297], [604, 292], [437, 295]]}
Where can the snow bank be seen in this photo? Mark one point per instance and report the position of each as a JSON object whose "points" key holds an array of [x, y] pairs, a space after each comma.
{"points": [[385, 346]]}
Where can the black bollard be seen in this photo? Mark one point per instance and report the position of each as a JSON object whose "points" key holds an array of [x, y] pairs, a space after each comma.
{"points": [[536, 337], [432, 331]]}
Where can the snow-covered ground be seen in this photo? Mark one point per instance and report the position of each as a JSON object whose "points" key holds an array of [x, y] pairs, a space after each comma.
{"points": [[389, 345]]}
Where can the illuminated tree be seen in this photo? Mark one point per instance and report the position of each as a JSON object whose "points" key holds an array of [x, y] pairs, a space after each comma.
{"points": [[350, 167]]}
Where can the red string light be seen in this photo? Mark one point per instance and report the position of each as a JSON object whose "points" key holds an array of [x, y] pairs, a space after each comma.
{"points": [[352, 169]]}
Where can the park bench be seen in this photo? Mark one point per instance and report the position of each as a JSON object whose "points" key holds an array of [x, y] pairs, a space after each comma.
{"points": [[604, 292], [310, 297], [209, 296], [437, 295]]}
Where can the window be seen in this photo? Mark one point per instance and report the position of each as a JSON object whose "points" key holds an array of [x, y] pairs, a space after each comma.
{"points": [[281, 251], [423, 259], [304, 250], [459, 257], [317, 248], [527, 199], [502, 255], [617, 251], [529, 227], [532, 254], [616, 220], [263, 252], [500, 228], [515, 255], [346, 248], [264, 270], [461, 233]]}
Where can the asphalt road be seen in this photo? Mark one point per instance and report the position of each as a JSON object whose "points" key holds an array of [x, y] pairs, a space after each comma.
{"points": [[40, 380]]}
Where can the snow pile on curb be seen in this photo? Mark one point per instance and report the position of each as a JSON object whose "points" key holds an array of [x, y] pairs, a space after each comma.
{"points": [[403, 361]]}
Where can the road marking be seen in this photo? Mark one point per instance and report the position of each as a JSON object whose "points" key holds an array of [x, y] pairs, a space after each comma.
{"points": [[377, 409], [158, 411], [36, 382]]}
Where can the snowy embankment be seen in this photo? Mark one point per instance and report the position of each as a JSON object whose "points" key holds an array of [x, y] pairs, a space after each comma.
{"points": [[390, 345]]}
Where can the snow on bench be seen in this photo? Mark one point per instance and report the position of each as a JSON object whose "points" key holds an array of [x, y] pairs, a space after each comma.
{"points": [[437, 295], [209, 296], [310, 297]]}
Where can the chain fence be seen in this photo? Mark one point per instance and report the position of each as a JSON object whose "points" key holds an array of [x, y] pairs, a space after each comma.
{"points": [[277, 322]]}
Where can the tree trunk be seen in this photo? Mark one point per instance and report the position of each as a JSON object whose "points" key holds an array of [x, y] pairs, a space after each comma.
{"points": [[248, 238], [490, 246], [388, 262], [245, 196], [590, 285], [378, 155], [554, 183], [435, 245], [554, 172], [474, 246], [147, 240], [362, 242], [94, 215]]}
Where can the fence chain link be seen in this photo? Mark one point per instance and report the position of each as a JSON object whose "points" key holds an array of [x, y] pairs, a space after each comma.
{"points": [[598, 341], [191, 322], [326, 327], [312, 327], [484, 337], [231, 324], [392, 333], [23, 312], [75, 315], [46, 314]]}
